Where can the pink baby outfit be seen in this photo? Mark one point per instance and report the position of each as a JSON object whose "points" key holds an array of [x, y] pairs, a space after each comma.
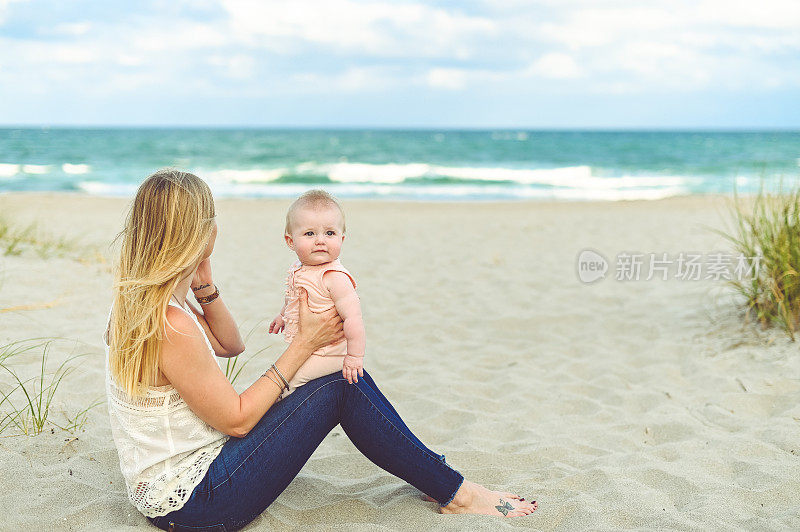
{"points": [[328, 359]]}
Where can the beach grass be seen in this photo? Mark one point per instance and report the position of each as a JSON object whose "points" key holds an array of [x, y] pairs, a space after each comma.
{"points": [[77, 420], [769, 228], [231, 371], [26, 403], [17, 239]]}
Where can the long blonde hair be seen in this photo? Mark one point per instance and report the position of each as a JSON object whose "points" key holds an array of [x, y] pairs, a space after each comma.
{"points": [[166, 232]]}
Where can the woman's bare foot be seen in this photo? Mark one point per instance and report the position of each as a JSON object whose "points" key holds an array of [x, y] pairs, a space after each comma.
{"points": [[472, 498]]}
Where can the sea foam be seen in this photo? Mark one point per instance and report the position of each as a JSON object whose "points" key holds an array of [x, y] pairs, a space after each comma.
{"points": [[374, 173], [569, 176], [75, 169], [9, 170], [36, 169], [245, 176], [97, 188]]}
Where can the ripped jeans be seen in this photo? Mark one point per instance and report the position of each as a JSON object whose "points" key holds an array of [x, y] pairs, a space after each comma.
{"points": [[250, 472]]}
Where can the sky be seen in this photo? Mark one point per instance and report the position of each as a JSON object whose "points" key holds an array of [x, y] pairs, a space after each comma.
{"points": [[551, 64]]}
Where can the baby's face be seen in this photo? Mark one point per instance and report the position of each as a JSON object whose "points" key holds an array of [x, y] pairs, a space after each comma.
{"points": [[316, 235]]}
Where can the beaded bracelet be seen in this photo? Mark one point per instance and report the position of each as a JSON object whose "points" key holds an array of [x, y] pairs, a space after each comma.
{"points": [[208, 299]]}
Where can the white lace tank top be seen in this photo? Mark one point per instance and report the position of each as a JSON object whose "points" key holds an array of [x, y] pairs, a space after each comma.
{"points": [[164, 449]]}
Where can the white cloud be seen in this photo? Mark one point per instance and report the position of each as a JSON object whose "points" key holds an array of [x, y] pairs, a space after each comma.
{"points": [[237, 66], [447, 78], [74, 29], [368, 28], [130, 60], [74, 54], [4, 8], [352, 79], [597, 27], [683, 45], [551, 66], [767, 14], [554, 65], [349, 46], [179, 37]]}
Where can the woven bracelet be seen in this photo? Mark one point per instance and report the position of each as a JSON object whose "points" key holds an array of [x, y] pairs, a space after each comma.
{"points": [[208, 299]]}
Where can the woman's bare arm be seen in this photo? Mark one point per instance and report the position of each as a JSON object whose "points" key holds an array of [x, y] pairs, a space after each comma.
{"points": [[216, 319], [219, 325], [186, 363]]}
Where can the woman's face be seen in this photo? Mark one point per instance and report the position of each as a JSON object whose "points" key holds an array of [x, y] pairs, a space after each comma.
{"points": [[210, 246]]}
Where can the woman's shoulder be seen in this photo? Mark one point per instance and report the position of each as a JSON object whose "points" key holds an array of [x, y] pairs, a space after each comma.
{"points": [[180, 327]]}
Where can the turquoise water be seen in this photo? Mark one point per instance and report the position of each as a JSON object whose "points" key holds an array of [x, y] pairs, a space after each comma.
{"points": [[417, 165]]}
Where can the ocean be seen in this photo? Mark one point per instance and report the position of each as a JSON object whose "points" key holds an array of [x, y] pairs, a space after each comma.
{"points": [[404, 164]]}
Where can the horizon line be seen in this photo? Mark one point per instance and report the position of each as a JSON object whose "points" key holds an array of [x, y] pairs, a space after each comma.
{"points": [[742, 129]]}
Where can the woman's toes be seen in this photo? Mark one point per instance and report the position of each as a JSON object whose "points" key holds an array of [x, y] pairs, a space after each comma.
{"points": [[527, 506]]}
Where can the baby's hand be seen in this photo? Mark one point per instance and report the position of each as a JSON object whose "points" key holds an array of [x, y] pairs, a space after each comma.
{"points": [[277, 325], [353, 367]]}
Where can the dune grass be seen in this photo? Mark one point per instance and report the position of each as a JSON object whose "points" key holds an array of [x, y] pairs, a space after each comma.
{"points": [[230, 366], [231, 372], [769, 228], [32, 306], [16, 239], [26, 403]]}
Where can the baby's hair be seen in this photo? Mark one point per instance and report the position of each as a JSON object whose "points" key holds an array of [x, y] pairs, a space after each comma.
{"points": [[314, 199]]}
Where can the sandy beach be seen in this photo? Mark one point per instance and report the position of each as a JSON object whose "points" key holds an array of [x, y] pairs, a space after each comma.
{"points": [[643, 405]]}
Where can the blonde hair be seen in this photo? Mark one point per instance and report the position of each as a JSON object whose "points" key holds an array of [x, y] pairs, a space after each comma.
{"points": [[166, 232], [314, 199]]}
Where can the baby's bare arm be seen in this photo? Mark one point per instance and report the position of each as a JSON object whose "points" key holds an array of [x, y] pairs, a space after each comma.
{"points": [[277, 324], [349, 308]]}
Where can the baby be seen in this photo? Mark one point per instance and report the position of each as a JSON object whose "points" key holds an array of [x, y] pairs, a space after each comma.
{"points": [[315, 231]]}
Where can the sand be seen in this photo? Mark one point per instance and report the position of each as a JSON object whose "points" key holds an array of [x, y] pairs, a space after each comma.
{"points": [[617, 405]]}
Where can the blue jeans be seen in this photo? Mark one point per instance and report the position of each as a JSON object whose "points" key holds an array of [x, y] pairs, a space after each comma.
{"points": [[251, 472]]}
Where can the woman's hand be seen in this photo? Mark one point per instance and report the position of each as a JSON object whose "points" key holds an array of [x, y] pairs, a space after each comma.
{"points": [[318, 329], [203, 274]]}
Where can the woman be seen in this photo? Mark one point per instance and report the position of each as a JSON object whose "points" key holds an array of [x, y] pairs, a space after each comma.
{"points": [[194, 453]]}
